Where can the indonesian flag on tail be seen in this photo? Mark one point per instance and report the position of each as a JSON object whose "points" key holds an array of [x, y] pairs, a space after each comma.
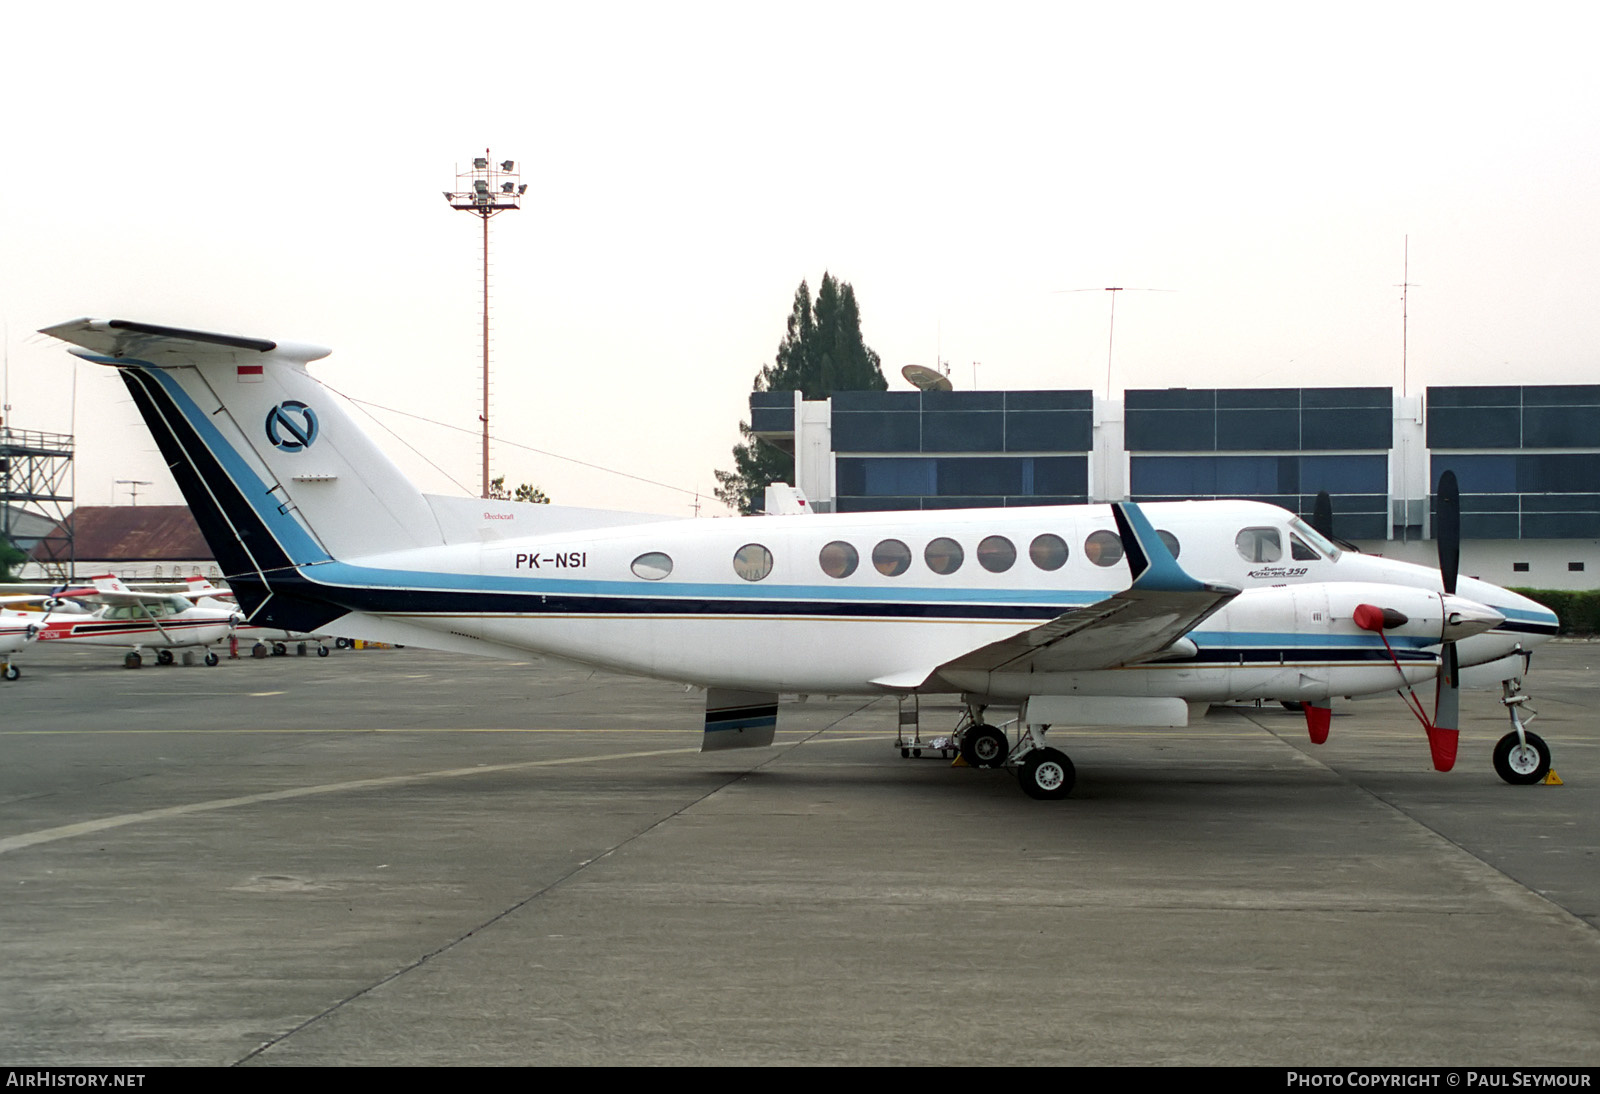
{"points": [[251, 374]]}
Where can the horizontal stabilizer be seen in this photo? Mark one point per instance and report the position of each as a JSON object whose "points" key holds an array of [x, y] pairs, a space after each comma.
{"points": [[739, 719]]}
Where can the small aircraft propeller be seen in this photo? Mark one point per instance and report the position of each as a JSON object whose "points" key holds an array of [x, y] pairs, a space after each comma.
{"points": [[1462, 618], [1444, 734], [1322, 515]]}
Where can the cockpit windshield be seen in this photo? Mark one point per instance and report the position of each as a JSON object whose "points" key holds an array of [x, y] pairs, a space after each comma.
{"points": [[1313, 537]]}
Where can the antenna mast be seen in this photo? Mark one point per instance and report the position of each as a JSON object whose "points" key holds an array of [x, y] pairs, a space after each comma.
{"points": [[1405, 287], [1111, 332]]}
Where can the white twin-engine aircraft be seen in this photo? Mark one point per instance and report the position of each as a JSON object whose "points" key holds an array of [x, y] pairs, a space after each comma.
{"points": [[1025, 608]]}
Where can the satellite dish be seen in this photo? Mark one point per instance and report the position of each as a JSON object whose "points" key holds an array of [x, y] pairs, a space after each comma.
{"points": [[926, 378]]}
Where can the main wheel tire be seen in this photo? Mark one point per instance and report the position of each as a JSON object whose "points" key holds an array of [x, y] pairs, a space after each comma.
{"points": [[132, 660], [984, 746], [1522, 764], [163, 657], [1047, 774]]}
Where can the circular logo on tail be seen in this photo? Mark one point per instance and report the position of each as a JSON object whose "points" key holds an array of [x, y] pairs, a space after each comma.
{"points": [[291, 426]]}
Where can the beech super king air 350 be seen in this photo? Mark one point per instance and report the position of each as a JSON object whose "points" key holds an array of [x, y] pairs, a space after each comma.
{"points": [[1027, 609]]}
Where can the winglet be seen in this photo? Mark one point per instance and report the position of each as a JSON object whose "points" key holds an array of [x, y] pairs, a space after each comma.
{"points": [[1151, 563]]}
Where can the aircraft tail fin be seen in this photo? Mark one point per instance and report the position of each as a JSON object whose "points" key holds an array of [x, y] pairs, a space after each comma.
{"points": [[308, 483], [276, 472]]}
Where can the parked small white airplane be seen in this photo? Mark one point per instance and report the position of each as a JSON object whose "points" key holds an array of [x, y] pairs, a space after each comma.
{"points": [[1024, 608], [136, 621], [15, 633]]}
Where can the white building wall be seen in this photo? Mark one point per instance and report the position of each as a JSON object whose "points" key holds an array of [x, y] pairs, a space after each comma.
{"points": [[813, 451], [1108, 460]]}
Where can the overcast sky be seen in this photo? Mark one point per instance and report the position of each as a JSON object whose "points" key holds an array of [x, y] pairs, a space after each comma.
{"points": [[277, 171]]}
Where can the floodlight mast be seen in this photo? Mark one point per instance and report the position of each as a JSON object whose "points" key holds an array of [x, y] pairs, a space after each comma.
{"points": [[488, 188]]}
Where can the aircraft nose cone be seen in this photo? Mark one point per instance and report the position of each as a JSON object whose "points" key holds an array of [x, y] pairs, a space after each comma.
{"points": [[1464, 618]]}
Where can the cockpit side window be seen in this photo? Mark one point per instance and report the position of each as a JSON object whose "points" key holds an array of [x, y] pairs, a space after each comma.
{"points": [[1316, 539], [1259, 545], [1299, 551]]}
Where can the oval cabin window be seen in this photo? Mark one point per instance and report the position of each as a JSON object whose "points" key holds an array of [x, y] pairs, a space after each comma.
{"points": [[1048, 552], [996, 554], [1103, 548], [752, 562], [652, 566], [891, 558], [838, 559], [943, 555]]}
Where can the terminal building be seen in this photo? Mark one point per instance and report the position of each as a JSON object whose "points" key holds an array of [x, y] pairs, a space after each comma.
{"points": [[1527, 459]]}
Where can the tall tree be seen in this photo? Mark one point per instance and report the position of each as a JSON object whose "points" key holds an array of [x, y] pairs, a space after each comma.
{"points": [[11, 559], [822, 352]]}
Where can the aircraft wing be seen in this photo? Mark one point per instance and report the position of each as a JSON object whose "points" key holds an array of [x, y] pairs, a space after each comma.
{"points": [[1161, 606]]}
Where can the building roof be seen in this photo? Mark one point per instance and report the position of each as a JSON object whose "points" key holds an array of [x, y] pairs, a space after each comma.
{"points": [[137, 533]]}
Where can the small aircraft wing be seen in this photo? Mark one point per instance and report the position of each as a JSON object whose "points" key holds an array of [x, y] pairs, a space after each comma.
{"points": [[198, 588], [1161, 606]]}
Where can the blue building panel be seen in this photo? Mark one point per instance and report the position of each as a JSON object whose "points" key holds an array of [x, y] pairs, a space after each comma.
{"points": [[963, 431], [1537, 416], [1259, 419], [963, 421], [772, 411], [1048, 430]]}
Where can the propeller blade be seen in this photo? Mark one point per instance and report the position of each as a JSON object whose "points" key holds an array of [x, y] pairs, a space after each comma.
{"points": [[1447, 529], [1322, 514], [1445, 733], [1317, 722]]}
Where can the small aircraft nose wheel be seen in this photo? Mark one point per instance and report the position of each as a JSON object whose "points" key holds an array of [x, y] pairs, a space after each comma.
{"points": [[1522, 764], [984, 746], [1047, 774], [211, 659], [12, 672], [322, 651]]}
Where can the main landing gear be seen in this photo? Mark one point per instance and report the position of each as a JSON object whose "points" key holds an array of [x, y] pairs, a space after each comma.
{"points": [[1044, 773], [1521, 758]]}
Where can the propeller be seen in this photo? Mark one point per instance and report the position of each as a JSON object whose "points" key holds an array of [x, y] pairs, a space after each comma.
{"points": [[1322, 515], [1445, 732], [1318, 719], [1461, 618]]}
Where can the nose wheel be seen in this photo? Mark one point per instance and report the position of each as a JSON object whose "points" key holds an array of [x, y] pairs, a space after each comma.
{"points": [[1521, 758], [1522, 762]]}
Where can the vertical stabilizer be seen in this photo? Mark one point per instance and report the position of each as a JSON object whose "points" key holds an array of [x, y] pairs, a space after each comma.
{"points": [[274, 468]]}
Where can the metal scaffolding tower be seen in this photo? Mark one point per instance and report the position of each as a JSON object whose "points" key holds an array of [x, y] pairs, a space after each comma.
{"points": [[36, 484]]}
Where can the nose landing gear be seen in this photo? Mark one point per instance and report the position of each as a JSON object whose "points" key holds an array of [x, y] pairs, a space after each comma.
{"points": [[1521, 758]]}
